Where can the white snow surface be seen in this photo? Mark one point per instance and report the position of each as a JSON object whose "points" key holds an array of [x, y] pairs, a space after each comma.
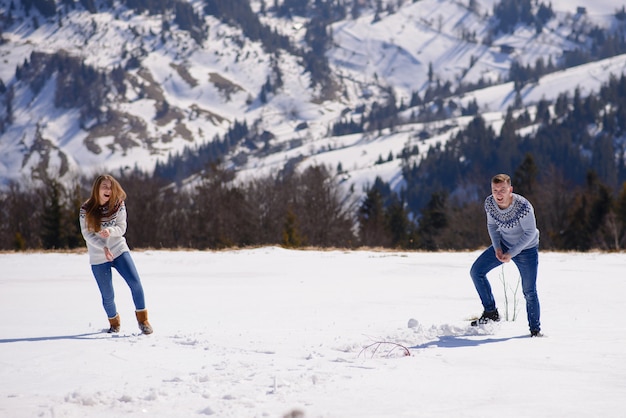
{"points": [[268, 332]]}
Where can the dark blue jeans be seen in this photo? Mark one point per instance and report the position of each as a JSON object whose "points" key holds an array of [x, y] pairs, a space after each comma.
{"points": [[126, 268], [527, 262]]}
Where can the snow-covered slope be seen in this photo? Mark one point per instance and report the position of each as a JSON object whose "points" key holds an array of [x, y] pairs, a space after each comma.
{"points": [[208, 87]]}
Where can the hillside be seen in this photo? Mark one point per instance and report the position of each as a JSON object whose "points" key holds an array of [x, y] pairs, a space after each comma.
{"points": [[100, 86]]}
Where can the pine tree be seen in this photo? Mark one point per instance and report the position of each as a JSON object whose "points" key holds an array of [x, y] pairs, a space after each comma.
{"points": [[291, 235], [371, 218], [433, 221], [51, 217], [620, 215], [71, 234], [525, 176], [587, 216], [397, 223]]}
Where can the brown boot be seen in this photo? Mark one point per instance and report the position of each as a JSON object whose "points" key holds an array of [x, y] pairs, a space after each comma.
{"points": [[142, 319], [114, 323]]}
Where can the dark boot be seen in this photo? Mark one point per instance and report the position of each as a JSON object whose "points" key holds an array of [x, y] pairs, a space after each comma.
{"points": [[142, 320], [114, 324], [486, 317]]}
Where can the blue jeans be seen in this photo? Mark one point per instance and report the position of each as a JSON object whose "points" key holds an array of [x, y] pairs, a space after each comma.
{"points": [[126, 268], [527, 262]]}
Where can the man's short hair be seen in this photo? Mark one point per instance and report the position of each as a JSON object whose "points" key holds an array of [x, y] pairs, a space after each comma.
{"points": [[501, 178]]}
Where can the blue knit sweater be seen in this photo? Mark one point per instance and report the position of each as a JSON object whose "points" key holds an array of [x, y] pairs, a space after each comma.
{"points": [[515, 226]]}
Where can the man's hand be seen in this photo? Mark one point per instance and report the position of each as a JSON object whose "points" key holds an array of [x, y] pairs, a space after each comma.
{"points": [[505, 258]]}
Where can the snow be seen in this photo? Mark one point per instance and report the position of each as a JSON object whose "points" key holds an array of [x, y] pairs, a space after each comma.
{"points": [[596, 7], [588, 78], [265, 332]]}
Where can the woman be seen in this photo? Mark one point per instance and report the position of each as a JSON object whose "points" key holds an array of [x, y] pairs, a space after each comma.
{"points": [[103, 225]]}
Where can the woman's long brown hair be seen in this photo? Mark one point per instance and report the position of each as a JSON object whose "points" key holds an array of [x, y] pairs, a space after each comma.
{"points": [[93, 213]]}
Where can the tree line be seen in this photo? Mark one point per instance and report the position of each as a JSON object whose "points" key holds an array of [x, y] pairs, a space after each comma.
{"points": [[297, 210], [290, 209]]}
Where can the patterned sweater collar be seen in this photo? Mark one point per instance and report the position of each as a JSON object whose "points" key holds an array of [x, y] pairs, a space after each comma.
{"points": [[519, 208]]}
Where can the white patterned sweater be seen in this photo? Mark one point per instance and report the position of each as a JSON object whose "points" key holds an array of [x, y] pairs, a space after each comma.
{"points": [[515, 226], [115, 223]]}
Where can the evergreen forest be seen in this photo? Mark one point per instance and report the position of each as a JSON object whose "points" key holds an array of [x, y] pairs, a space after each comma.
{"points": [[571, 166]]}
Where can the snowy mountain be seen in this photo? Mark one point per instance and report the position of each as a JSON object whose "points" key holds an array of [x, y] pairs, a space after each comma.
{"points": [[149, 88]]}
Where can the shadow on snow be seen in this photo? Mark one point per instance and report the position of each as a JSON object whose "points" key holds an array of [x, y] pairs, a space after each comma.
{"points": [[86, 336], [452, 341]]}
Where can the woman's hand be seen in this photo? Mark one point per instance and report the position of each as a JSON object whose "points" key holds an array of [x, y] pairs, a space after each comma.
{"points": [[108, 254], [104, 233]]}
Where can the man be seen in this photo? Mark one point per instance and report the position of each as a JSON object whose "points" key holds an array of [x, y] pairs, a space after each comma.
{"points": [[514, 236]]}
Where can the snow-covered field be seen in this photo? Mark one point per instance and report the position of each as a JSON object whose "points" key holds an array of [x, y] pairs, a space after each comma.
{"points": [[268, 332]]}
